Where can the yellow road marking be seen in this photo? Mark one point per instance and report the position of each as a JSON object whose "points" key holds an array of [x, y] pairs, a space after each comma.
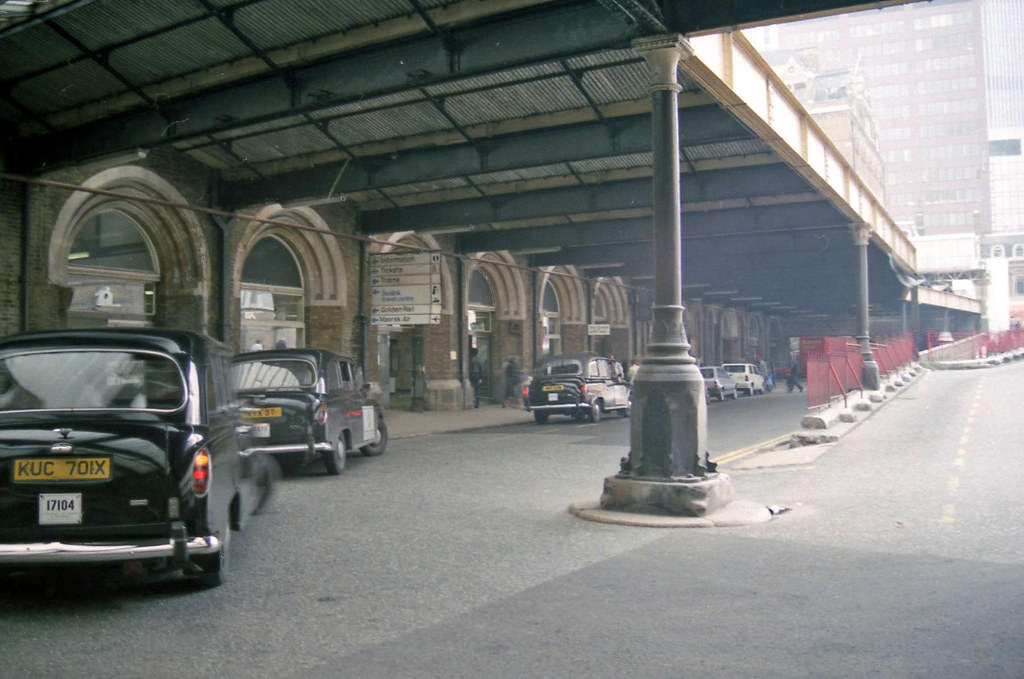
{"points": [[961, 452], [947, 514], [959, 462], [734, 455], [953, 483]]}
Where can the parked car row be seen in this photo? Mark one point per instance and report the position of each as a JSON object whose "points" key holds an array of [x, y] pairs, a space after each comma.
{"points": [[144, 450], [729, 379]]}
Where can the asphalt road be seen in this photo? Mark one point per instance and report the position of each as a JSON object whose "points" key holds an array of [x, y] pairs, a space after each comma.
{"points": [[454, 556]]}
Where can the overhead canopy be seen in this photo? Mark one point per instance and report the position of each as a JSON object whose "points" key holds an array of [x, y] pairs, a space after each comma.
{"points": [[521, 125]]}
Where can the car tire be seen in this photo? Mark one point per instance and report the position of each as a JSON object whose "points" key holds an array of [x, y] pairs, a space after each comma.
{"points": [[594, 414], [334, 459], [215, 566], [539, 417], [375, 449]]}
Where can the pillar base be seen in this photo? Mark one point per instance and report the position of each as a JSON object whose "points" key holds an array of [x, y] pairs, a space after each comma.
{"points": [[690, 496]]}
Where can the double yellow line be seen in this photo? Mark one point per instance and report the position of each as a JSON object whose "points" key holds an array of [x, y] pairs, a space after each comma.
{"points": [[750, 450]]}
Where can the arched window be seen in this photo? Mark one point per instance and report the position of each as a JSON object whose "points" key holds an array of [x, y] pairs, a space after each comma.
{"points": [[997, 251], [600, 312], [112, 273], [272, 299], [551, 339], [1018, 250], [480, 323]]}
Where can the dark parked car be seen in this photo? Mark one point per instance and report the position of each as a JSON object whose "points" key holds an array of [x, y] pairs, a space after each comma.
{"points": [[119, 448], [718, 383], [583, 386], [308, 404]]}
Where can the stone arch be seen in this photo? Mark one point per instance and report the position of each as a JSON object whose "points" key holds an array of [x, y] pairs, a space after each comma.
{"points": [[569, 290], [319, 256], [507, 284], [175, 236], [615, 298]]}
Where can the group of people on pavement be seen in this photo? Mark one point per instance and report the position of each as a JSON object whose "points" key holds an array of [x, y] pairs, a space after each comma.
{"points": [[513, 378]]}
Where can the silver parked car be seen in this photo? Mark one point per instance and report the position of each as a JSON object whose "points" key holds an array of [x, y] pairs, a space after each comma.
{"points": [[718, 382]]}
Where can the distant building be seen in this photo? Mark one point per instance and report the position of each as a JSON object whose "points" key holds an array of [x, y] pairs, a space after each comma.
{"points": [[923, 71]]}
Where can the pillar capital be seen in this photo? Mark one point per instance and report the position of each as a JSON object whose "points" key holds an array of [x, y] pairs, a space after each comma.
{"points": [[861, 233], [663, 53]]}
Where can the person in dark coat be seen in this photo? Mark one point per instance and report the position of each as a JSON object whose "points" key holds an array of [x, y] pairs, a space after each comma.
{"points": [[511, 382], [793, 380], [476, 375]]}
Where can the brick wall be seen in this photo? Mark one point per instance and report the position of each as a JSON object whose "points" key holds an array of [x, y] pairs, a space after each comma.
{"points": [[12, 200]]}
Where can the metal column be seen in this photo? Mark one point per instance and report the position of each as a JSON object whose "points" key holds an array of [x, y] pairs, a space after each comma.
{"points": [[861, 238], [667, 469]]}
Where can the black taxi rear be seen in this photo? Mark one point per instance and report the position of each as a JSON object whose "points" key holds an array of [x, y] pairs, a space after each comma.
{"points": [[582, 386], [119, 449], [305, 405]]}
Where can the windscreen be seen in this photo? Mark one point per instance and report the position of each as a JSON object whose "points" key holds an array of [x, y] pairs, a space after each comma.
{"points": [[734, 368], [90, 379], [275, 373], [707, 373]]}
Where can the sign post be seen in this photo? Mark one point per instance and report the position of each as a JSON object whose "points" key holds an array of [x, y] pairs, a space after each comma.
{"points": [[405, 289]]}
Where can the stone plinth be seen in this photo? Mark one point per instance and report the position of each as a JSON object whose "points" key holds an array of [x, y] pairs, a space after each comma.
{"points": [[691, 496]]}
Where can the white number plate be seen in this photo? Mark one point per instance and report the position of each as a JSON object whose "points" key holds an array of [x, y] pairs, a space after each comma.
{"points": [[552, 397], [260, 430], [60, 508]]}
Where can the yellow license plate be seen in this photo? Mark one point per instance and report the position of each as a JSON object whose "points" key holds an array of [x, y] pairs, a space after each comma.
{"points": [[62, 469], [553, 387], [263, 412]]}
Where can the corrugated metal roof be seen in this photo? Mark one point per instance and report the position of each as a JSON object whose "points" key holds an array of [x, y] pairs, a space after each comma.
{"points": [[520, 174], [269, 126], [626, 162], [293, 141], [395, 122], [191, 48], [369, 104], [602, 59], [66, 87], [425, 187], [32, 50], [494, 79], [743, 147], [617, 83], [276, 23], [516, 101], [107, 22]]}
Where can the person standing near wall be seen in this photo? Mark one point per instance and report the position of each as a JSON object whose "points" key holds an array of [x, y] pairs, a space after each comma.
{"points": [[511, 382], [476, 375]]}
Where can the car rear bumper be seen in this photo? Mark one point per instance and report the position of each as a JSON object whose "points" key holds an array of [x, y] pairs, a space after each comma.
{"points": [[178, 550], [285, 448], [554, 407]]}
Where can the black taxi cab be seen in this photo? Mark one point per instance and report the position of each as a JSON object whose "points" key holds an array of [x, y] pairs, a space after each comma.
{"points": [[582, 386], [304, 404], [119, 448]]}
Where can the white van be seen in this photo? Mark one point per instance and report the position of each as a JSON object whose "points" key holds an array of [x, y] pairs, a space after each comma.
{"points": [[747, 376]]}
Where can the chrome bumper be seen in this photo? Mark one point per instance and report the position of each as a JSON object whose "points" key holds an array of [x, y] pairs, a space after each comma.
{"points": [[84, 552], [321, 447], [561, 406]]}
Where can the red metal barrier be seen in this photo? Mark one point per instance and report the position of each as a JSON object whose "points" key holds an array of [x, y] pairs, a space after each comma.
{"points": [[834, 365]]}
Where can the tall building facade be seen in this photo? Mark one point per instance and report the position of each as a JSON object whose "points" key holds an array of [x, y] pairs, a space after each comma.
{"points": [[923, 70]]}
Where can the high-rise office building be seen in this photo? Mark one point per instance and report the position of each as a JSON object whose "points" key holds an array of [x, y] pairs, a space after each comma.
{"points": [[923, 70]]}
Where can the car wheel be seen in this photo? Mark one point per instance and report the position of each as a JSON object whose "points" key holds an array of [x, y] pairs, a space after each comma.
{"points": [[374, 449], [334, 459], [539, 417], [594, 415], [215, 566]]}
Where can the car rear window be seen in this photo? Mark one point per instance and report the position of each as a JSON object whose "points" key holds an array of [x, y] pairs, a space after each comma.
{"points": [[735, 368], [90, 379], [562, 367], [707, 372], [277, 373]]}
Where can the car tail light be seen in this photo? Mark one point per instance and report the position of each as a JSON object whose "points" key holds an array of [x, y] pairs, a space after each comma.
{"points": [[321, 414], [583, 388], [202, 471], [526, 392]]}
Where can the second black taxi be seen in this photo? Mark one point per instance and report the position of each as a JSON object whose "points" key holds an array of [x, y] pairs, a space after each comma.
{"points": [[583, 386], [303, 405]]}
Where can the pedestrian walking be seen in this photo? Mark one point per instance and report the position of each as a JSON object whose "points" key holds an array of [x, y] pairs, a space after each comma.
{"points": [[511, 382], [633, 367], [476, 375], [793, 380]]}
